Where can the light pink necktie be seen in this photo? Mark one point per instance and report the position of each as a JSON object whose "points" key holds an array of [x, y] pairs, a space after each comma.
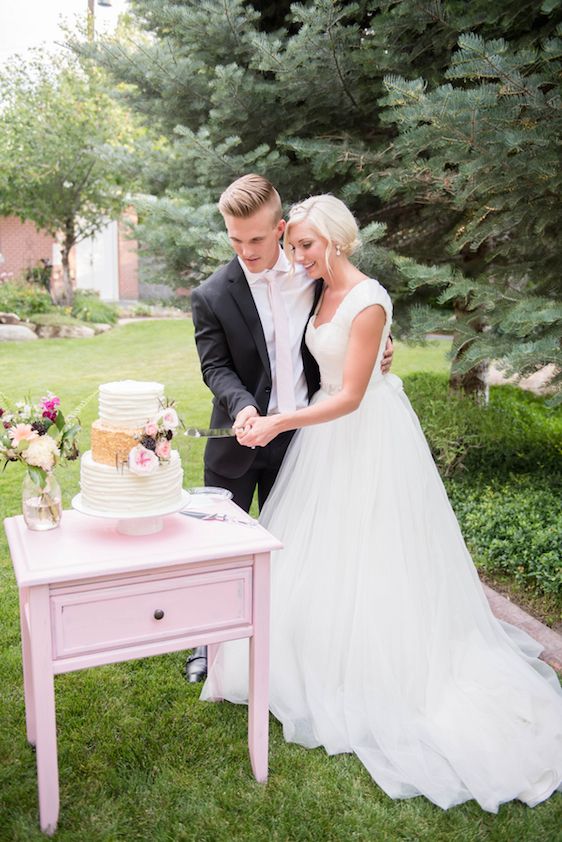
{"points": [[284, 374]]}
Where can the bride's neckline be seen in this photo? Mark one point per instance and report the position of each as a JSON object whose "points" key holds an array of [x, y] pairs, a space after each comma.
{"points": [[334, 314]]}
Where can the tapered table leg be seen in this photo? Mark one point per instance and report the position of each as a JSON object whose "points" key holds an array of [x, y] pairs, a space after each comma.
{"points": [[26, 664], [43, 707], [258, 691]]}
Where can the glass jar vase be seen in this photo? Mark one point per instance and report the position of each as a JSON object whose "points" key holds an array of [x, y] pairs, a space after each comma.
{"points": [[42, 507]]}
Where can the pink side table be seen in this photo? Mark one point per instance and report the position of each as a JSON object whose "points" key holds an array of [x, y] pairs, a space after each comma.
{"points": [[90, 596]]}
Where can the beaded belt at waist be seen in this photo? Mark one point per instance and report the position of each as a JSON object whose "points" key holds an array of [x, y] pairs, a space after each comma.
{"points": [[388, 379]]}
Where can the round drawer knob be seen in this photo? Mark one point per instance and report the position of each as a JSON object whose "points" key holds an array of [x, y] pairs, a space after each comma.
{"points": [[158, 614]]}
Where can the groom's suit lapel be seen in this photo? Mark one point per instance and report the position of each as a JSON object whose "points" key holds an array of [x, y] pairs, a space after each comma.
{"points": [[240, 292]]}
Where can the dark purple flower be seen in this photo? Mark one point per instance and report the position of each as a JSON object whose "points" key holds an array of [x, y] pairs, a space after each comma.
{"points": [[39, 427], [148, 442]]}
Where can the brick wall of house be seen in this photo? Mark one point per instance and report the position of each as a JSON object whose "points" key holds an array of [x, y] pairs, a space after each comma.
{"points": [[22, 245]]}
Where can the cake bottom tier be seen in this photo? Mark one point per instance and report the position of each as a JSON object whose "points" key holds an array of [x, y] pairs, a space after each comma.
{"points": [[109, 489]]}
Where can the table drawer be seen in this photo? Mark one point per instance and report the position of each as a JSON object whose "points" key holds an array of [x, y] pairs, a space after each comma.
{"points": [[128, 614]]}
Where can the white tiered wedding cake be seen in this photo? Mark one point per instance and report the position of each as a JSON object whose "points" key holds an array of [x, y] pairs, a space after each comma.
{"points": [[131, 468]]}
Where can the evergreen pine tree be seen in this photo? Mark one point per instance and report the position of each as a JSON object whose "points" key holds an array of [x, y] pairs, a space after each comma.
{"points": [[297, 92], [485, 149]]}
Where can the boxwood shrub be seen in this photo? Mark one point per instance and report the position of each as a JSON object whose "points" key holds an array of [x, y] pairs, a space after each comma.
{"points": [[502, 465], [515, 432], [513, 526]]}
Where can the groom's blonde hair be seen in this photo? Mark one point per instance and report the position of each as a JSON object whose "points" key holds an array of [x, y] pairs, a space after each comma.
{"points": [[249, 194]]}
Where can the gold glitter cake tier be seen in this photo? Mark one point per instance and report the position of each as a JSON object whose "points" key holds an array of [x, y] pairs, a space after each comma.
{"points": [[110, 445]]}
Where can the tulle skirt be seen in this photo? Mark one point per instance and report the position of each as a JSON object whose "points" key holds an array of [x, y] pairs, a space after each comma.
{"points": [[382, 641]]}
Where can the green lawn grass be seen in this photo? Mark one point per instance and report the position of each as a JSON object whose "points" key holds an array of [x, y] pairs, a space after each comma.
{"points": [[140, 758]]}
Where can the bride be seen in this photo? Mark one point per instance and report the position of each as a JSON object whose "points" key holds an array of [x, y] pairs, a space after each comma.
{"points": [[382, 641]]}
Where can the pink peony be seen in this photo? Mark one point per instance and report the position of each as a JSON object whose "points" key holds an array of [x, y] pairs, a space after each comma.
{"points": [[163, 449], [142, 461], [22, 432], [169, 418], [151, 429]]}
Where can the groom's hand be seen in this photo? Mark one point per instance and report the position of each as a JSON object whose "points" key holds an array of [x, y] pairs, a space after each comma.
{"points": [[259, 431], [386, 361], [242, 419]]}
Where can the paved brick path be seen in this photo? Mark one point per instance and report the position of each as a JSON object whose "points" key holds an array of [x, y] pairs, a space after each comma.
{"points": [[509, 612]]}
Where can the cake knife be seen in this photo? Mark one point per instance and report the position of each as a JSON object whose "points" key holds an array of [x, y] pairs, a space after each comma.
{"points": [[209, 432]]}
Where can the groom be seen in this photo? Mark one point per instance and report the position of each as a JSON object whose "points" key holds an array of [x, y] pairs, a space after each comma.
{"points": [[250, 317]]}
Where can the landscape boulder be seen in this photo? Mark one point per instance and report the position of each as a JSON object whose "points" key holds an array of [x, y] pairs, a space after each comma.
{"points": [[64, 331], [9, 319], [15, 333]]}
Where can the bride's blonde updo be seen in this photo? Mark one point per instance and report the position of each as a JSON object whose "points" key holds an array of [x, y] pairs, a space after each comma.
{"points": [[331, 219]]}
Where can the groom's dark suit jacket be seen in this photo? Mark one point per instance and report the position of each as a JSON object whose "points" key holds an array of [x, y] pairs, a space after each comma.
{"points": [[234, 360]]}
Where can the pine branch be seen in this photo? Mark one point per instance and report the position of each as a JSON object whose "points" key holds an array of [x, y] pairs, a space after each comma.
{"points": [[338, 68], [208, 152]]}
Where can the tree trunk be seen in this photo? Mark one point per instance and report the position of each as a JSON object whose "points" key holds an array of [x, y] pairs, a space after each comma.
{"points": [[474, 383], [67, 294]]}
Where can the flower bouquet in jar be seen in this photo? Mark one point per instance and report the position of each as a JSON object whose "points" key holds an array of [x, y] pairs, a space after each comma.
{"points": [[39, 436]]}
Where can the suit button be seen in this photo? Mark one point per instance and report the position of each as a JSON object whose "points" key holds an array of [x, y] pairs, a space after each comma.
{"points": [[268, 389]]}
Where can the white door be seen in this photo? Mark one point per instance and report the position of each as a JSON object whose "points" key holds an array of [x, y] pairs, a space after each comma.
{"points": [[97, 264]]}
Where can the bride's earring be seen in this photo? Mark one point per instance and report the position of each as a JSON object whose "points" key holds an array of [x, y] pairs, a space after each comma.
{"points": [[338, 251]]}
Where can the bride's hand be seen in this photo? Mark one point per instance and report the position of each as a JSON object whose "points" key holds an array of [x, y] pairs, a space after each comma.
{"points": [[258, 431]]}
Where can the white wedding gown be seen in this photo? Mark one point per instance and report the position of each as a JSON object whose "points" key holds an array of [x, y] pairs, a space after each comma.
{"points": [[382, 641]]}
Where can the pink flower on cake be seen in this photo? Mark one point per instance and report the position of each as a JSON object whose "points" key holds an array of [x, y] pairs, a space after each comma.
{"points": [[151, 429], [22, 432], [169, 419], [142, 461], [42, 452], [163, 449]]}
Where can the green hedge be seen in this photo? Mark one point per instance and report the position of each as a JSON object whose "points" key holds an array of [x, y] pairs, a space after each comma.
{"points": [[513, 527], [24, 299], [88, 307], [28, 299], [502, 465], [515, 432]]}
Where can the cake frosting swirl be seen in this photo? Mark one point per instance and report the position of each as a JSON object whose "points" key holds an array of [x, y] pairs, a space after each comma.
{"points": [[108, 489], [129, 404]]}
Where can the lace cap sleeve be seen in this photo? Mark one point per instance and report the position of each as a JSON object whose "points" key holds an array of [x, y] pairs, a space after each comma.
{"points": [[363, 295]]}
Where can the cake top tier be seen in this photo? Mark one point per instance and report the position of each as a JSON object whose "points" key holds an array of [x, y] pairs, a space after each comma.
{"points": [[130, 404]]}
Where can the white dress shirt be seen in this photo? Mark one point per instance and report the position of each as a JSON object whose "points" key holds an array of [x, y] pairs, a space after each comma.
{"points": [[297, 292]]}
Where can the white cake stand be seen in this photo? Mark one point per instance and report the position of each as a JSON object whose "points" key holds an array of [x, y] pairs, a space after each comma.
{"points": [[134, 524]]}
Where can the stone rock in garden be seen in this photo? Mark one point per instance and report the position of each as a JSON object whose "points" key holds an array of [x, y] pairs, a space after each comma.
{"points": [[15, 333], [101, 327], [9, 319], [539, 382], [64, 331]]}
